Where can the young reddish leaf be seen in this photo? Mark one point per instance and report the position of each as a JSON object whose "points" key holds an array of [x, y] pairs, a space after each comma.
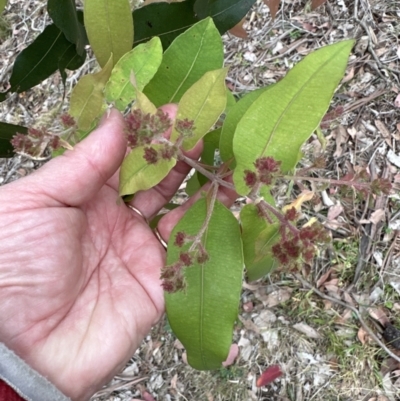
{"points": [[273, 6], [269, 375], [317, 3], [233, 354]]}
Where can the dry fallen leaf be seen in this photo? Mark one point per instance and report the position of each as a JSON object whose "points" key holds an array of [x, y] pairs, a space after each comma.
{"points": [[307, 330], [377, 216], [273, 6], [303, 197], [379, 315], [324, 278], [275, 297], [316, 3], [334, 211], [269, 375], [362, 335], [238, 30], [341, 138]]}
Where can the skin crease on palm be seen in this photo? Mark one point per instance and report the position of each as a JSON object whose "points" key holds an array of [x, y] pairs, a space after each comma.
{"points": [[79, 270]]}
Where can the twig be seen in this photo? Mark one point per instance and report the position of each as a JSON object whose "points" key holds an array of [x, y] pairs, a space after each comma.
{"points": [[212, 177], [356, 312]]}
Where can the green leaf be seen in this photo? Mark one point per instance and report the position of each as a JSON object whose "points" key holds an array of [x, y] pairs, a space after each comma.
{"points": [[258, 238], [7, 131], [202, 317], [225, 13], [232, 119], [165, 20], [283, 118], [3, 4], [193, 184], [40, 59], [87, 99], [139, 64], [210, 144], [109, 26], [70, 60], [203, 103], [65, 17], [189, 57], [143, 103], [230, 100], [137, 175]]}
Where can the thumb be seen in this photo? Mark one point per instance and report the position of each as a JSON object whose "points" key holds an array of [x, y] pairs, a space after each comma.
{"points": [[75, 177]]}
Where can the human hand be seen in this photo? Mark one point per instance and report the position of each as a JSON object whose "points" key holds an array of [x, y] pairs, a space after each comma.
{"points": [[79, 270]]}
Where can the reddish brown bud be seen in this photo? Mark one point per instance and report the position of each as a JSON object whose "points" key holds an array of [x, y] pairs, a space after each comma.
{"points": [[267, 164], [381, 185], [291, 248], [180, 238], [250, 178], [55, 142], [291, 214], [202, 257], [36, 134], [67, 120], [185, 258], [168, 152], [185, 127], [150, 155]]}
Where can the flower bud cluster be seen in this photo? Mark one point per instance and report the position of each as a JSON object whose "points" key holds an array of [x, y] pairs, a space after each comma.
{"points": [[172, 276], [67, 120], [185, 127], [294, 248], [167, 152], [34, 142], [267, 169], [381, 186], [142, 128]]}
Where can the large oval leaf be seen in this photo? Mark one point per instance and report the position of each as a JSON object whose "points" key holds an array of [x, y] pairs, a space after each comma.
{"points": [[189, 57], [258, 238], [225, 13], [232, 119], [139, 64], [203, 315], [203, 103], [109, 26], [87, 99], [65, 17], [50, 50], [165, 20], [136, 174], [283, 118]]}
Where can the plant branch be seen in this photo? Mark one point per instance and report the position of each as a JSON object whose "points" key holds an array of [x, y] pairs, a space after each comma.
{"points": [[212, 177], [356, 312], [212, 197]]}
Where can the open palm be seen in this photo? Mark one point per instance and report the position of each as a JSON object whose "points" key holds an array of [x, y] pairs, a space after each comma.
{"points": [[79, 270]]}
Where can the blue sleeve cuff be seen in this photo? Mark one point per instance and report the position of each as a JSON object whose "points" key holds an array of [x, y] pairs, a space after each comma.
{"points": [[29, 384]]}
